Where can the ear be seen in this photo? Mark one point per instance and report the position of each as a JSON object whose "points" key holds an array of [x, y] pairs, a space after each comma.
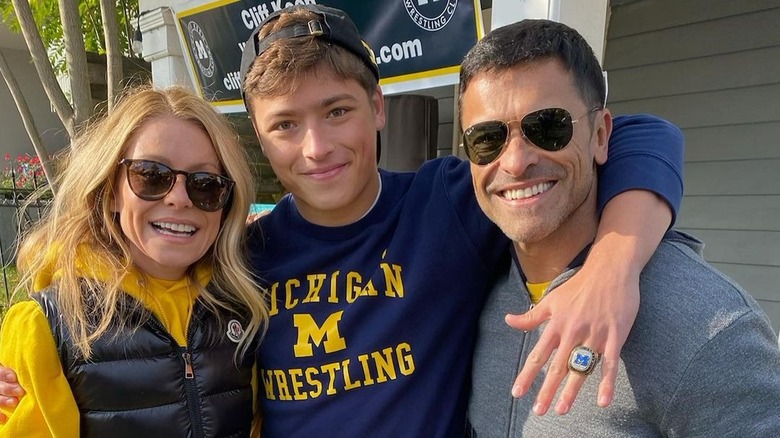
{"points": [[603, 128], [378, 103]]}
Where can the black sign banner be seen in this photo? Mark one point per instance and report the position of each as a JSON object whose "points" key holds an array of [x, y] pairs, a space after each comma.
{"points": [[417, 43]]}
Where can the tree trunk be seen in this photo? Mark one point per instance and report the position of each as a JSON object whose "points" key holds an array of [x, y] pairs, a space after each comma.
{"points": [[42, 64], [113, 52], [76, 59], [27, 119]]}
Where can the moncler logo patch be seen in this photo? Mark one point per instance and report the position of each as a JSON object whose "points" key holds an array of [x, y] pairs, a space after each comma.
{"points": [[234, 330]]}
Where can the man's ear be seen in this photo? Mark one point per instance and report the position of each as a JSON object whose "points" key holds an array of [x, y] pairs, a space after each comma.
{"points": [[603, 128]]}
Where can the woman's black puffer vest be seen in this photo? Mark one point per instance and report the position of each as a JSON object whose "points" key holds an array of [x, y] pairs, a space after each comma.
{"points": [[140, 383]]}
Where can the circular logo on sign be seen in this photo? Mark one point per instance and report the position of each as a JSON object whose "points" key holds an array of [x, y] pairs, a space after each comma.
{"points": [[200, 49], [431, 15]]}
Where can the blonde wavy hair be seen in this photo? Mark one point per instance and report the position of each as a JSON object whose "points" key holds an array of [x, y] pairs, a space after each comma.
{"points": [[80, 216]]}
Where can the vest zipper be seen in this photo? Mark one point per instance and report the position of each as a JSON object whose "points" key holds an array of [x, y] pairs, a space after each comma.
{"points": [[193, 400], [188, 373], [190, 386]]}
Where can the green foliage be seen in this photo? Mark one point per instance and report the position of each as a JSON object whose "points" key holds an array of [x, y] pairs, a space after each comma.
{"points": [[47, 16]]}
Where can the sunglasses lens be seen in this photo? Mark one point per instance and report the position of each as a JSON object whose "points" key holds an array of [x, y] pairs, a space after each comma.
{"points": [[208, 191], [152, 181], [149, 180], [484, 141], [550, 129]]}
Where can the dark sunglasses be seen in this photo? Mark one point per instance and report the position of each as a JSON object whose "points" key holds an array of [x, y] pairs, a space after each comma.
{"points": [[152, 181], [550, 129]]}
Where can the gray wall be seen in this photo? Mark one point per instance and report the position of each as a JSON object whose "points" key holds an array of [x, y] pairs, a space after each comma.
{"points": [[713, 68]]}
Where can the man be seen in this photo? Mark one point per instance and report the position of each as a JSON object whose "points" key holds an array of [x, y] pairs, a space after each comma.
{"points": [[375, 278], [701, 359]]}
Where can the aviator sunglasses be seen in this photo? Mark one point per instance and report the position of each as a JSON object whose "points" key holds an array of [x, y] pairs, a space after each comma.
{"points": [[152, 181], [550, 129]]}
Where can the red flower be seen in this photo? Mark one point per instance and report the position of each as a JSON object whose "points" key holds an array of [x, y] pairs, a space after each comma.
{"points": [[26, 173]]}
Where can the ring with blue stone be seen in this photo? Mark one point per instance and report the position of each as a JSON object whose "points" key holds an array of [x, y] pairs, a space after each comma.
{"points": [[583, 360]]}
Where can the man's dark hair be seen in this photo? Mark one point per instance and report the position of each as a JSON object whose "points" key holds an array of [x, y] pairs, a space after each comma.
{"points": [[529, 41]]}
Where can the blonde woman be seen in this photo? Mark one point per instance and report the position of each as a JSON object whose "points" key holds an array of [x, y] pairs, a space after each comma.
{"points": [[144, 315]]}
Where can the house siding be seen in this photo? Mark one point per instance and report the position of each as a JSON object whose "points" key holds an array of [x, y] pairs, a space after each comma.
{"points": [[713, 68]]}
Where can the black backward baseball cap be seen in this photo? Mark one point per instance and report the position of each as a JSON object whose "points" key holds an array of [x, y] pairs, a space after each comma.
{"points": [[333, 26]]}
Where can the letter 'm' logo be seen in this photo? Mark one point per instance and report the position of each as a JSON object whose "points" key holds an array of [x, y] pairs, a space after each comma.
{"points": [[200, 49], [310, 333]]}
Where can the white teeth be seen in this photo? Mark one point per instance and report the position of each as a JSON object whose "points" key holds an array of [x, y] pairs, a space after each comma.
{"points": [[527, 192], [176, 228]]}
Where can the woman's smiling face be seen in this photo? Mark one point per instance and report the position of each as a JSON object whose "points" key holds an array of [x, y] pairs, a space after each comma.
{"points": [[167, 236]]}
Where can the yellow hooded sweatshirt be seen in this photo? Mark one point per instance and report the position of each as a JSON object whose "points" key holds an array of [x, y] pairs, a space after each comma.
{"points": [[27, 346]]}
